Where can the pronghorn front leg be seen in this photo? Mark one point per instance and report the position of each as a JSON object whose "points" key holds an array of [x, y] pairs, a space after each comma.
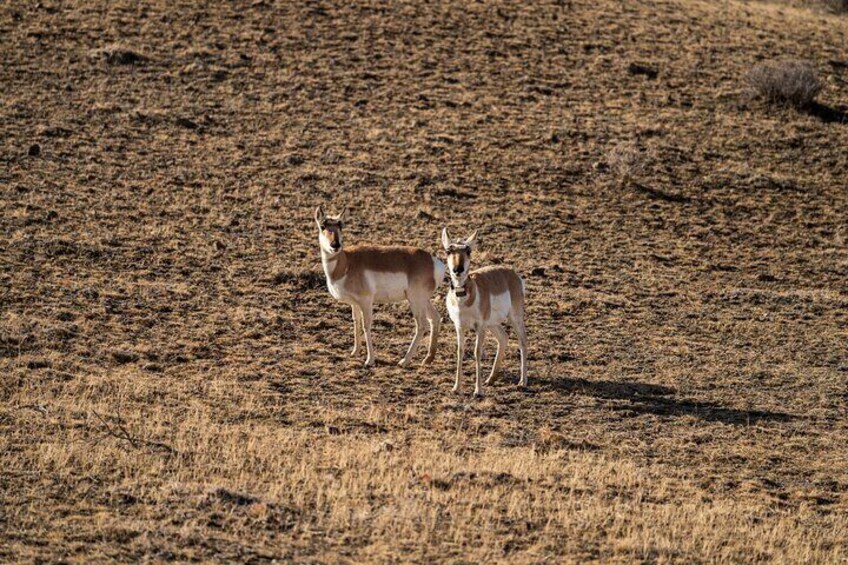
{"points": [[460, 351], [478, 358], [367, 318], [357, 328], [500, 335]]}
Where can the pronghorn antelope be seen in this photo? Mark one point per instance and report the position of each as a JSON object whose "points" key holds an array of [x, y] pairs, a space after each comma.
{"points": [[364, 275], [482, 300]]}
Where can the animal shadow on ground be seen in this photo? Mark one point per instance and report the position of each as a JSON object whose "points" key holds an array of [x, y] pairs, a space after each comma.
{"points": [[644, 398], [828, 114]]}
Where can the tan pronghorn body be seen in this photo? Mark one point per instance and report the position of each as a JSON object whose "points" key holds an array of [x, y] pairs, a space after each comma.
{"points": [[364, 275], [482, 301]]}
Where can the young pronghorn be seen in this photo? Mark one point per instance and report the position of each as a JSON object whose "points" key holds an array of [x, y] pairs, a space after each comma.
{"points": [[482, 300], [364, 275]]}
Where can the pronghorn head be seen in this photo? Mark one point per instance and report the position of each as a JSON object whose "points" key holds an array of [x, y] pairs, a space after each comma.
{"points": [[459, 256], [330, 230]]}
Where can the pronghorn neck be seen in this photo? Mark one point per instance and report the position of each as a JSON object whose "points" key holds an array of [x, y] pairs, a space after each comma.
{"points": [[335, 264], [466, 290]]}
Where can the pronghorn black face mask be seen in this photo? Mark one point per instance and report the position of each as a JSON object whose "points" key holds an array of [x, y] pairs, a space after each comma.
{"points": [[330, 230], [459, 257]]}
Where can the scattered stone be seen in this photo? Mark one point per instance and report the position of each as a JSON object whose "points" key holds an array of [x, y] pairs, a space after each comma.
{"points": [[38, 364], [123, 357], [118, 55], [642, 69], [186, 123], [385, 446], [34, 150]]}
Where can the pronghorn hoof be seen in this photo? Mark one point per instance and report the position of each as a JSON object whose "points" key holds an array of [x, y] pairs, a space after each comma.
{"points": [[369, 363], [354, 352], [477, 393], [404, 363], [488, 381], [455, 388], [427, 361]]}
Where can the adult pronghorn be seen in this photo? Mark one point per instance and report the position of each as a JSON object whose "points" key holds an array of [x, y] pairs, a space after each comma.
{"points": [[482, 300], [364, 275]]}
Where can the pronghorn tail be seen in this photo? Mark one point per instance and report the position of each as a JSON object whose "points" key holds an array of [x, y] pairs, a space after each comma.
{"points": [[439, 269]]}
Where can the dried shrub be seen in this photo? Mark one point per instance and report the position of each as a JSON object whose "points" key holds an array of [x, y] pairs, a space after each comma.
{"points": [[118, 55], [786, 82], [626, 162], [837, 6]]}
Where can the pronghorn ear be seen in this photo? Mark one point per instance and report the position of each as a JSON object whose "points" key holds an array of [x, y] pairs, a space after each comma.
{"points": [[471, 241], [343, 216], [319, 216], [445, 238]]}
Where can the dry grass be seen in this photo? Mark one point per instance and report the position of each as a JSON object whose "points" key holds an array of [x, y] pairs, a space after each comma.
{"points": [[233, 481], [175, 380]]}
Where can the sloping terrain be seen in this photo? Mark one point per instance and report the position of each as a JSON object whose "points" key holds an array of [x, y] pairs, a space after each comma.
{"points": [[175, 376]]}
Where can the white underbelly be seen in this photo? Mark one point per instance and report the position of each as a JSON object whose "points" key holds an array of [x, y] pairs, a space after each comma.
{"points": [[388, 287], [501, 305]]}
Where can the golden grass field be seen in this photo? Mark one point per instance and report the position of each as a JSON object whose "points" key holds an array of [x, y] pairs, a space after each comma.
{"points": [[176, 382]]}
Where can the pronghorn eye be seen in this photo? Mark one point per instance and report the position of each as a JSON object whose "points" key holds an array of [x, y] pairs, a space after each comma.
{"points": [[322, 225]]}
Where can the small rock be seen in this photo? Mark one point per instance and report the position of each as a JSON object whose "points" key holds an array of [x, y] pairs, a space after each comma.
{"points": [[118, 55], [186, 123], [642, 69], [124, 356], [538, 272], [34, 150], [386, 446]]}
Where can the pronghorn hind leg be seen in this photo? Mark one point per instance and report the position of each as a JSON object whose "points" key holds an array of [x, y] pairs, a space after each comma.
{"points": [[357, 329], [418, 315], [435, 321], [521, 330], [367, 320], [500, 336]]}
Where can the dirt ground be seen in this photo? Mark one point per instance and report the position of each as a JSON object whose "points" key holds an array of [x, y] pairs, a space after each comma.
{"points": [[176, 380]]}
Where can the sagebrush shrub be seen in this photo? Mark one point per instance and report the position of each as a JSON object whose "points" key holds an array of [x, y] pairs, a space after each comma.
{"points": [[837, 6], [626, 161], [787, 82]]}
